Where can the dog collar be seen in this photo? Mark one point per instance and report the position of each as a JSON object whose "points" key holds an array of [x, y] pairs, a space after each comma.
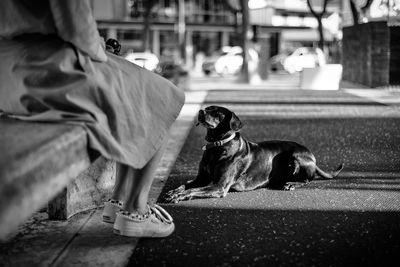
{"points": [[218, 143]]}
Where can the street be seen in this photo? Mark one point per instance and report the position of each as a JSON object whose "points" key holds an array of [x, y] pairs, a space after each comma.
{"points": [[351, 220]]}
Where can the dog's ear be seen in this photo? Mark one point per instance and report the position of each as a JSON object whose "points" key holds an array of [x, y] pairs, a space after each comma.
{"points": [[235, 123]]}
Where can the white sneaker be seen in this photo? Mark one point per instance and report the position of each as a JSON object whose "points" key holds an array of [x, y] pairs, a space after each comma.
{"points": [[155, 223], [111, 207]]}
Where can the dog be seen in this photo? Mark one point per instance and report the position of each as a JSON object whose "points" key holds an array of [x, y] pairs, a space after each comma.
{"points": [[230, 162]]}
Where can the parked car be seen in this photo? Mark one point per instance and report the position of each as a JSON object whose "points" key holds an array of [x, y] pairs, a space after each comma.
{"points": [[208, 66], [303, 57], [276, 62], [146, 60], [231, 62]]}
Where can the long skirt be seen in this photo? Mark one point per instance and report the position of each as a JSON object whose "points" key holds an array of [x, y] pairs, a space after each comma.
{"points": [[126, 110]]}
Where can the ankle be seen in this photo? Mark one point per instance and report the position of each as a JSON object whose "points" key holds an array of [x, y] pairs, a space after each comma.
{"points": [[116, 196], [137, 210], [115, 202]]}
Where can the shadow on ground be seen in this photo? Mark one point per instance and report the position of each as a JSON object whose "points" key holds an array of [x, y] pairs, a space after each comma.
{"points": [[241, 237], [352, 220]]}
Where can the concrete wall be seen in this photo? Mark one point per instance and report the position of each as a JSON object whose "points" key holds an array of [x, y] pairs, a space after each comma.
{"points": [[371, 54], [394, 75], [87, 191], [366, 54]]}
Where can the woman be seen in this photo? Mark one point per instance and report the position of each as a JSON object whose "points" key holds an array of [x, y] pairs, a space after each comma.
{"points": [[54, 68]]}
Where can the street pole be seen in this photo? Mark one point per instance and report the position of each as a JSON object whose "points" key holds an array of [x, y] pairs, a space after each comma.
{"points": [[181, 30]]}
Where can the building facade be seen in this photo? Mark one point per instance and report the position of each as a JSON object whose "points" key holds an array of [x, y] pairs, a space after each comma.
{"points": [[210, 25]]}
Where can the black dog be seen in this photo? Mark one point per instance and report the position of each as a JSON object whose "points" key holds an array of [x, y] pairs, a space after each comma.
{"points": [[231, 162]]}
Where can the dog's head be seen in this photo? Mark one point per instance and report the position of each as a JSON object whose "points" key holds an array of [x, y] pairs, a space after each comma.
{"points": [[219, 122]]}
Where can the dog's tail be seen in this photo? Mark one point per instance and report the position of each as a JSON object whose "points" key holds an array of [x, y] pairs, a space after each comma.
{"points": [[330, 175]]}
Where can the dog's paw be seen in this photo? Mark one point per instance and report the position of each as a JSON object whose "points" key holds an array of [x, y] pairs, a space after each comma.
{"points": [[173, 198], [178, 196], [289, 187], [175, 191]]}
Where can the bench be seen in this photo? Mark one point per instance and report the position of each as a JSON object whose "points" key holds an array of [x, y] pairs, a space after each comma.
{"points": [[48, 163]]}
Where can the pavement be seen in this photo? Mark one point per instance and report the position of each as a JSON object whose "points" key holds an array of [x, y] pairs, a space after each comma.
{"points": [[351, 220]]}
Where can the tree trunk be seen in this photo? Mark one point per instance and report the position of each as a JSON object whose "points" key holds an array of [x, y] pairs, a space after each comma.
{"points": [[354, 12], [146, 27], [146, 34], [319, 16], [182, 30], [321, 41], [245, 77]]}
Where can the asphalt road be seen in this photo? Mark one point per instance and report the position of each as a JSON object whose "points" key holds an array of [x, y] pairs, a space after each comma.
{"points": [[353, 220]]}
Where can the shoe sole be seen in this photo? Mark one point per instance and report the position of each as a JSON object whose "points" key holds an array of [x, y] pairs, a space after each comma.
{"points": [[135, 232]]}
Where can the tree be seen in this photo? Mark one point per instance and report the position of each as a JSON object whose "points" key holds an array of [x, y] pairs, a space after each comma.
{"points": [[181, 29], [245, 76], [149, 4], [242, 7], [354, 12], [319, 16], [359, 11]]}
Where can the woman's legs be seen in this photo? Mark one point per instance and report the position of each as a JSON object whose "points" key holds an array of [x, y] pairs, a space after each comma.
{"points": [[136, 183], [136, 219], [112, 207], [121, 177]]}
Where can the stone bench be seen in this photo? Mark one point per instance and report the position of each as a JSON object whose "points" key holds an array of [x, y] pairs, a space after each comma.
{"points": [[48, 164]]}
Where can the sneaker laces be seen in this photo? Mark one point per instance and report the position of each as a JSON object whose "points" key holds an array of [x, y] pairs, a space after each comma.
{"points": [[161, 213]]}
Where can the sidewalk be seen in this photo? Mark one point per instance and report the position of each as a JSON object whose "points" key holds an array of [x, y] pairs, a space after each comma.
{"points": [[352, 220], [84, 240]]}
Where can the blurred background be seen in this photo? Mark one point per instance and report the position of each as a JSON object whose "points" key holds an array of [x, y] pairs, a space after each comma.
{"points": [[194, 38]]}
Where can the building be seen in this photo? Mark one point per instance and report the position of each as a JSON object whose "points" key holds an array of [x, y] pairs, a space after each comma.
{"points": [[210, 25]]}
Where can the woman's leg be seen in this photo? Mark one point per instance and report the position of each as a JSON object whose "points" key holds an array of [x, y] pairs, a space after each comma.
{"points": [[121, 177], [136, 220], [112, 207], [138, 188]]}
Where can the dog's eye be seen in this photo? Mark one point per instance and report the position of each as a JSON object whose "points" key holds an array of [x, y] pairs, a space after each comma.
{"points": [[215, 113], [212, 113]]}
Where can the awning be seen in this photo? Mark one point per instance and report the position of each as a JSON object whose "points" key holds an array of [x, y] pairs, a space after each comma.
{"points": [[310, 35]]}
